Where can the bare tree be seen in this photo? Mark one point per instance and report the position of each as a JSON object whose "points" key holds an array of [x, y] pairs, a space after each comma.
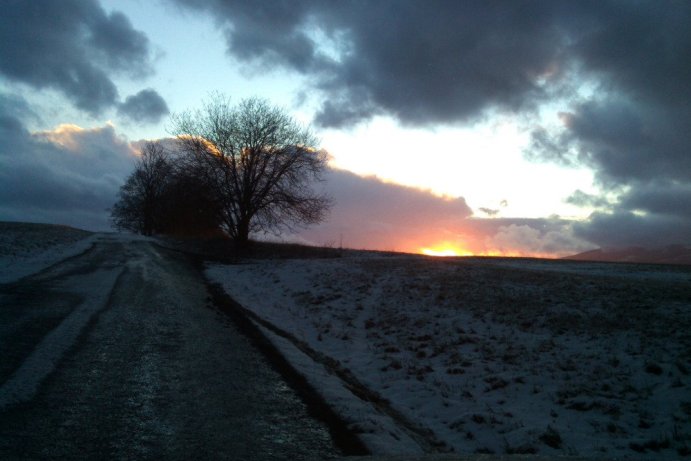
{"points": [[139, 208], [260, 162]]}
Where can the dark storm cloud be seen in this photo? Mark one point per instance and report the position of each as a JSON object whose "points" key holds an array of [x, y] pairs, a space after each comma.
{"points": [[641, 154], [423, 62], [441, 61], [146, 106], [71, 46], [670, 199], [654, 214], [67, 176], [641, 49], [624, 142], [623, 229], [633, 131]]}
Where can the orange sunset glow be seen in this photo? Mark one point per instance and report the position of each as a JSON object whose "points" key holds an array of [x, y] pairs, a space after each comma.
{"points": [[453, 250], [445, 250]]}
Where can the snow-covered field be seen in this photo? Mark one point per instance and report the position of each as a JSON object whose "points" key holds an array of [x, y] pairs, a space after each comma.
{"points": [[28, 248], [486, 355]]}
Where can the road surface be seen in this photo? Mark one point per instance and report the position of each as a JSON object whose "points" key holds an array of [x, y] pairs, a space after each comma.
{"points": [[120, 353]]}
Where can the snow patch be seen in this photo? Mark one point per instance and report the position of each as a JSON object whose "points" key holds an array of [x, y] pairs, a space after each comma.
{"points": [[503, 356]]}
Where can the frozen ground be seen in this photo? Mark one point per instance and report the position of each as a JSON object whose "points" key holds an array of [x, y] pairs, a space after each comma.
{"points": [[487, 355], [28, 248]]}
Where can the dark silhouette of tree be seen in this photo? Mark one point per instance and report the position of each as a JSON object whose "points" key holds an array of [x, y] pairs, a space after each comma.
{"points": [[165, 194], [259, 162], [189, 206], [139, 206]]}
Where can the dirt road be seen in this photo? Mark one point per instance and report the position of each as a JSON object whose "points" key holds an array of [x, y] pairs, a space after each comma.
{"points": [[120, 353]]}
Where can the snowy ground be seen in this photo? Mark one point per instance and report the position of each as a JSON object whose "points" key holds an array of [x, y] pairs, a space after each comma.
{"points": [[490, 355], [28, 248]]}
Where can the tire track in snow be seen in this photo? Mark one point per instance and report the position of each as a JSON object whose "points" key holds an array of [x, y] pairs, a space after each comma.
{"points": [[25, 381], [425, 438]]}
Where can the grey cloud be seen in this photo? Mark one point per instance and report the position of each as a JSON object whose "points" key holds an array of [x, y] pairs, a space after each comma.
{"points": [[421, 62], [621, 229], [71, 46], [345, 110], [490, 227], [622, 141], [264, 33], [10, 126], [489, 212], [146, 106], [633, 130], [380, 197], [654, 214], [67, 176], [372, 214], [641, 47], [120, 46], [534, 238], [369, 213], [582, 199], [440, 61], [15, 106], [448, 62], [669, 199], [640, 153]]}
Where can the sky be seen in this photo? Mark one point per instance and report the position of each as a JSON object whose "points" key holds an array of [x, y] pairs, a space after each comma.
{"points": [[531, 128]]}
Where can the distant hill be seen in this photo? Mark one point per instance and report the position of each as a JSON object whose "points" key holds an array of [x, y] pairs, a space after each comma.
{"points": [[672, 254], [21, 238], [26, 248]]}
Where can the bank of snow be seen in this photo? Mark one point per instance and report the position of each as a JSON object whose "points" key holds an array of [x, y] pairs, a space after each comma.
{"points": [[29, 248], [503, 356]]}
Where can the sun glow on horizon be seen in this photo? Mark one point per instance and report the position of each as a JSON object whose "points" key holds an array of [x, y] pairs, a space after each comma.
{"points": [[445, 250], [450, 250]]}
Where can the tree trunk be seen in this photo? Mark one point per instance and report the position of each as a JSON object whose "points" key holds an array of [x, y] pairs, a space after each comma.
{"points": [[243, 233]]}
